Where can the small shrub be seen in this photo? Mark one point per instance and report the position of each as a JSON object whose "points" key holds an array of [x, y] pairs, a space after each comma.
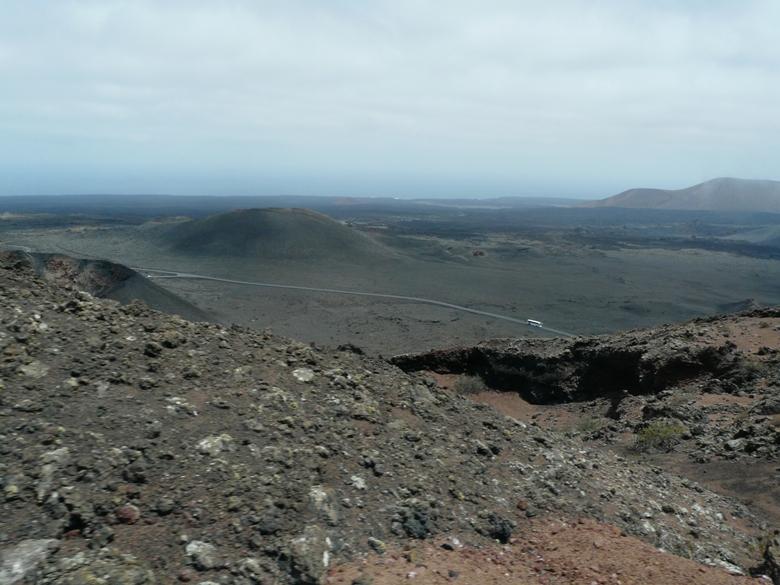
{"points": [[470, 385], [748, 372], [589, 425], [658, 436]]}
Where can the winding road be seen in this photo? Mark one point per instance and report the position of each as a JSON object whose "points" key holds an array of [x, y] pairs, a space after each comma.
{"points": [[156, 273], [170, 274]]}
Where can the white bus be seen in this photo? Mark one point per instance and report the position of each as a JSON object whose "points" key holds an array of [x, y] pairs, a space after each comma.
{"points": [[534, 323]]}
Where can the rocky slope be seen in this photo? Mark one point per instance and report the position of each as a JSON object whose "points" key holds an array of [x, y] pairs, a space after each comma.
{"points": [[715, 380], [106, 280], [140, 448]]}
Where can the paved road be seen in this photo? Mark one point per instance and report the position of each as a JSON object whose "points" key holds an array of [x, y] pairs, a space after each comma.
{"points": [[161, 274], [158, 274]]}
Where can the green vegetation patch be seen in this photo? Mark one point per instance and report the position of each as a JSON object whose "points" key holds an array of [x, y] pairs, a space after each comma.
{"points": [[658, 436], [590, 425]]}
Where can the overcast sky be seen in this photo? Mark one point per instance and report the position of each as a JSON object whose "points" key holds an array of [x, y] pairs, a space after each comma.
{"points": [[397, 97]]}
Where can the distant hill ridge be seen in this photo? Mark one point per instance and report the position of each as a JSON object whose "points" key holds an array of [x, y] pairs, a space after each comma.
{"points": [[723, 194], [271, 233]]}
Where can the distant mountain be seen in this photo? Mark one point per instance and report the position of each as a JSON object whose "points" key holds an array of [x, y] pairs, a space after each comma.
{"points": [[106, 280], [271, 233], [723, 194]]}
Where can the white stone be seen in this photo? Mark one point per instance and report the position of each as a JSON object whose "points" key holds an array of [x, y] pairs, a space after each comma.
{"points": [[215, 444], [19, 561], [303, 374]]}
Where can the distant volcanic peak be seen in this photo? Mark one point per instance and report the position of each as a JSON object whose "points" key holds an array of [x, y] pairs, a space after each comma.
{"points": [[270, 233], [721, 194]]}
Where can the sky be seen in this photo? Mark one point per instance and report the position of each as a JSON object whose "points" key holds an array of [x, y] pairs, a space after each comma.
{"points": [[406, 98]]}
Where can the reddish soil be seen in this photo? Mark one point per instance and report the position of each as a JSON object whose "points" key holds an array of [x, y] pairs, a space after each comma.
{"points": [[548, 552], [749, 334], [725, 399], [560, 417], [754, 482], [508, 403], [446, 381]]}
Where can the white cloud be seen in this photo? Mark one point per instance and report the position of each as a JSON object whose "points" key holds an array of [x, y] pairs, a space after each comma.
{"points": [[570, 95]]}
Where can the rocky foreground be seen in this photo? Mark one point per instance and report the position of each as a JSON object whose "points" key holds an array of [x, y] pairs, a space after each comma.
{"points": [[140, 448]]}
